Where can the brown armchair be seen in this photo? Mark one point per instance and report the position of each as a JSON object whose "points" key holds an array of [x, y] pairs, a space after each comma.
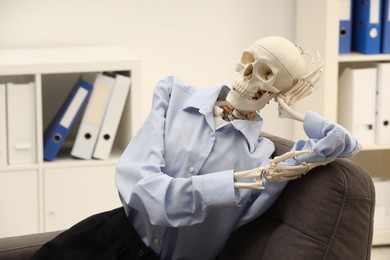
{"points": [[327, 214]]}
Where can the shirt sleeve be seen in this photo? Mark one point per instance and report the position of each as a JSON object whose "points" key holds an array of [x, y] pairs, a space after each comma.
{"points": [[328, 140], [144, 186]]}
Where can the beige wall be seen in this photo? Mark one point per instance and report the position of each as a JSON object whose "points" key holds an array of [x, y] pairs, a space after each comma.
{"points": [[198, 41]]}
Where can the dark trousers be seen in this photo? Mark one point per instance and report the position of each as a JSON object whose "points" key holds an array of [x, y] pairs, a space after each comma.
{"points": [[108, 235]]}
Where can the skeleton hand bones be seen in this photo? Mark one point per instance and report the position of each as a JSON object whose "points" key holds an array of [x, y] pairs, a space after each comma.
{"points": [[274, 172]]}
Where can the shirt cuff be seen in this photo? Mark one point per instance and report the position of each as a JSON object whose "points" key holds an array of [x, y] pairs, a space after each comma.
{"points": [[217, 189]]}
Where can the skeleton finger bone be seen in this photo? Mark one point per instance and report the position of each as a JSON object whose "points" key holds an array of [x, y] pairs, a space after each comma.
{"points": [[275, 172], [288, 155], [287, 173], [305, 85]]}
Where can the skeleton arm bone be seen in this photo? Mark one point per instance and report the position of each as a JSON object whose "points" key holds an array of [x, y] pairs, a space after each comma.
{"points": [[286, 111]]}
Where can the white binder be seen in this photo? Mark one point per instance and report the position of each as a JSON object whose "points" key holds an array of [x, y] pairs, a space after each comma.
{"points": [[356, 102], [93, 116], [382, 203], [21, 123], [3, 127], [112, 117], [382, 120]]}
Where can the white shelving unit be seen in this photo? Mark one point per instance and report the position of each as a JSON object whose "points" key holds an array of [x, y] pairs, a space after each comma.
{"points": [[45, 196], [317, 27]]}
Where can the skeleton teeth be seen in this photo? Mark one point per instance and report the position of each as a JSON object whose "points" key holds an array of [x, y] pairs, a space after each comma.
{"points": [[240, 90]]}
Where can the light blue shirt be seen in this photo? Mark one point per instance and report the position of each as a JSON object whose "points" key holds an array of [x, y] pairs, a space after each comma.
{"points": [[175, 178]]}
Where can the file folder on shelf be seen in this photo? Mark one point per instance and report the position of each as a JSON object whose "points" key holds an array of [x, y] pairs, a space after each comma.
{"points": [[21, 123], [366, 37], [385, 44], [59, 128], [3, 128], [345, 26], [112, 117], [356, 102], [91, 121], [382, 120]]}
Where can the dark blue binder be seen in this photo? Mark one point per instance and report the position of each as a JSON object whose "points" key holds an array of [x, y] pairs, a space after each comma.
{"points": [[385, 47], [345, 26], [366, 37], [59, 128]]}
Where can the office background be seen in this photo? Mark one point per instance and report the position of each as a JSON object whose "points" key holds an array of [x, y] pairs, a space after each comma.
{"points": [[197, 41]]}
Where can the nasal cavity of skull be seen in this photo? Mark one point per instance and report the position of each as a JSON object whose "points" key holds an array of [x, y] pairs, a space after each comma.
{"points": [[248, 71]]}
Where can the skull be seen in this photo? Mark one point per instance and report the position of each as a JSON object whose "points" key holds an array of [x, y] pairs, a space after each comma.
{"points": [[270, 66]]}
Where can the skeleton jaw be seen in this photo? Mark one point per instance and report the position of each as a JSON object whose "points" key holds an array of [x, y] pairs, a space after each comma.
{"points": [[247, 101]]}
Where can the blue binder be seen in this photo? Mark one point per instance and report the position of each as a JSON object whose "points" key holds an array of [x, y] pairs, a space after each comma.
{"points": [[366, 37], [345, 26], [385, 47], [59, 128]]}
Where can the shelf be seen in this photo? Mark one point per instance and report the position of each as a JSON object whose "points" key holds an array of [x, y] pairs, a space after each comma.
{"points": [[381, 237], [65, 160], [63, 60], [357, 57], [375, 147], [83, 187], [21, 167]]}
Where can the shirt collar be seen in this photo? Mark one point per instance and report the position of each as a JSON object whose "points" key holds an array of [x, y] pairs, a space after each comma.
{"points": [[204, 100], [250, 129]]}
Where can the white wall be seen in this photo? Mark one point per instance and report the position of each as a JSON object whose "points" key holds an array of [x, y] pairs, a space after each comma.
{"points": [[198, 41]]}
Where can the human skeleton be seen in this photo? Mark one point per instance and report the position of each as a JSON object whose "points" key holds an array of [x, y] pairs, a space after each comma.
{"points": [[273, 68]]}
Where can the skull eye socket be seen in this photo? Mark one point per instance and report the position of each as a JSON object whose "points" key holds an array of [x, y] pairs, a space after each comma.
{"points": [[247, 57], [265, 72]]}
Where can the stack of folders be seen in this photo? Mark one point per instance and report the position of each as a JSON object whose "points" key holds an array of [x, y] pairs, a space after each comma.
{"points": [[103, 104], [363, 103], [17, 123], [364, 26], [99, 124]]}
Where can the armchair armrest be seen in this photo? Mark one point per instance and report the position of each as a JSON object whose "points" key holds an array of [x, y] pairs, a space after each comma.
{"points": [[23, 247]]}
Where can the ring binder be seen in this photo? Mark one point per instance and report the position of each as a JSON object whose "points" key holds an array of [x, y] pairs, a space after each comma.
{"points": [[59, 128], [92, 119], [366, 37]]}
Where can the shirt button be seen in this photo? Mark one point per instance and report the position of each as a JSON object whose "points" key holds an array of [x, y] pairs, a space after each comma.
{"points": [[191, 169], [212, 134], [157, 241]]}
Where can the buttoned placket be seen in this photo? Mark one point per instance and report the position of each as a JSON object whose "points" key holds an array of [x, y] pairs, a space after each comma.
{"points": [[208, 116]]}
